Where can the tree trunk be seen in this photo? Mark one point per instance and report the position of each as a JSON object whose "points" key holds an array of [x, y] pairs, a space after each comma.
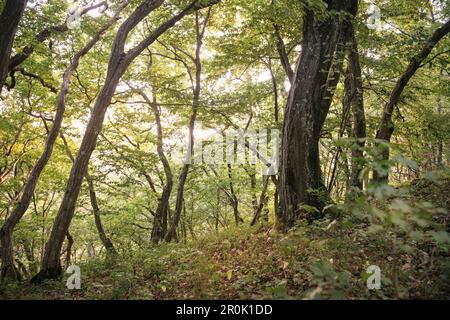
{"points": [[106, 241], [233, 198], [281, 48], [258, 210], [160, 219], [316, 76], [200, 32], [30, 185], [440, 147], [9, 270], [118, 62], [354, 90], [69, 249], [386, 128], [9, 20]]}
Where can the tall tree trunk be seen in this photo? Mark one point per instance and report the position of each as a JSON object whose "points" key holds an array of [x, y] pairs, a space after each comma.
{"points": [[69, 248], [200, 32], [233, 198], [9, 20], [440, 147], [30, 185], [118, 62], [354, 90], [107, 243], [281, 48], [262, 197], [275, 92], [316, 75], [160, 218], [386, 128], [252, 175]]}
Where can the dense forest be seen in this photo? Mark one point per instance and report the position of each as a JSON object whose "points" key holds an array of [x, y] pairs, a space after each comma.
{"points": [[234, 149]]}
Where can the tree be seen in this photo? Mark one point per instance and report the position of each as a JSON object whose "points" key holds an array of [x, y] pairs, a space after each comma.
{"points": [[7, 269], [160, 217], [118, 63], [106, 241], [386, 126], [9, 20], [355, 97], [200, 29], [317, 73]]}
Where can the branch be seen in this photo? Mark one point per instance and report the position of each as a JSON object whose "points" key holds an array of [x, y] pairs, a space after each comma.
{"points": [[30, 75], [386, 127], [19, 58]]}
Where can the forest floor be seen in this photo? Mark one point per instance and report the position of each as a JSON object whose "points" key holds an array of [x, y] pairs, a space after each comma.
{"points": [[323, 261]]}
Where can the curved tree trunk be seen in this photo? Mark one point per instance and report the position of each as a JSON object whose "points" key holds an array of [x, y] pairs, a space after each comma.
{"points": [[30, 185], [386, 128], [118, 63], [200, 31], [43, 35], [9, 20], [160, 218], [315, 78]]}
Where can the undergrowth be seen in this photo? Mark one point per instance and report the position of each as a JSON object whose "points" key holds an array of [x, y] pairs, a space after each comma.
{"points": [[329, 259]]}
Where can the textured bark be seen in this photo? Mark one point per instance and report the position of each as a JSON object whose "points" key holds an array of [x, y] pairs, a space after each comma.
{"points": [[386, 128], [316, 76], [440, 147], [118, 63], [356, 99], [9, 20], [30, 185]]}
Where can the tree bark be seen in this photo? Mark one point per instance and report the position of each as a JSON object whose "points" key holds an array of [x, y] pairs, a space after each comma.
{"points": [[9, 21], [30, 185], [354, 90], [386, 128], [118, 63], [316, 75]]}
